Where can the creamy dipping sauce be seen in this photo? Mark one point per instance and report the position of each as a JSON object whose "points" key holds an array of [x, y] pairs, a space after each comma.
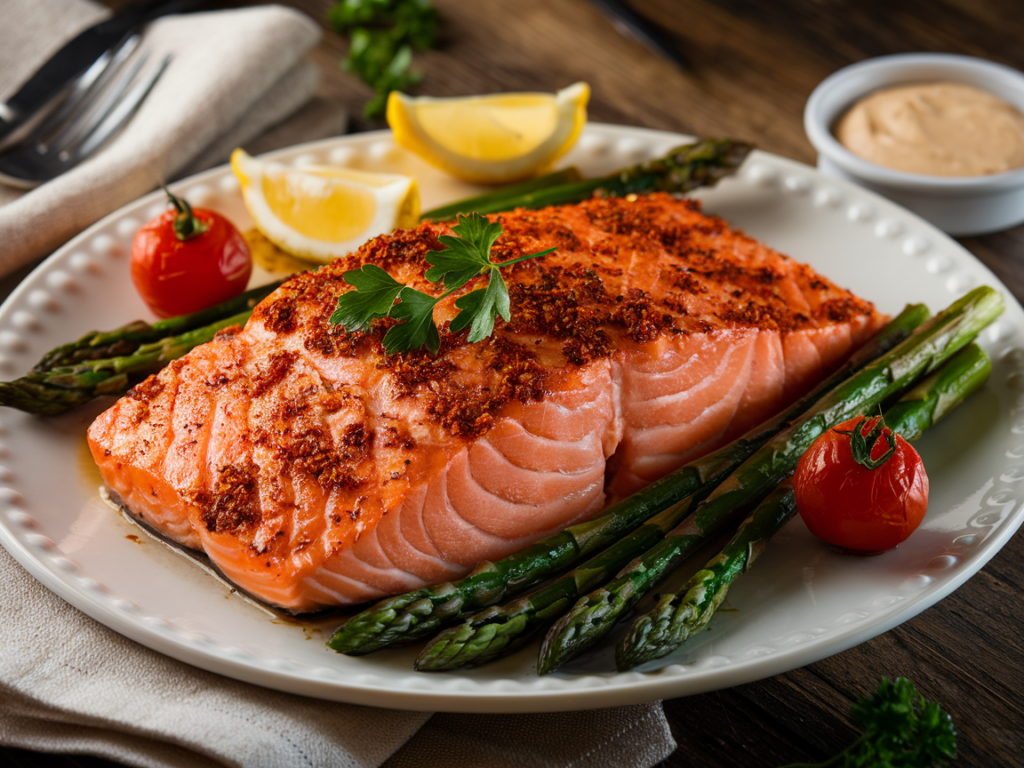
{"points": [[938, 129]]}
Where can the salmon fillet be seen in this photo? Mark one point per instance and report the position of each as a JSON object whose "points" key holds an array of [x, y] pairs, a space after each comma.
{"points": [[315, 470]]}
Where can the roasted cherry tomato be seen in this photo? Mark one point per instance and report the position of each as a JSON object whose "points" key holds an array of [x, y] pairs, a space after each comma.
{"points": [[861, 488], [185, 260]]}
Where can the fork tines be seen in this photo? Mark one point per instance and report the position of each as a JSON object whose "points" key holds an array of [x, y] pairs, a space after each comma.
{"points": [[97, 105]]}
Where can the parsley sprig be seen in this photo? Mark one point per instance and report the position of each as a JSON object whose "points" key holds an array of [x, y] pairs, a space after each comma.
{"points": [[383, 35], [902, 729], [466, 255]]}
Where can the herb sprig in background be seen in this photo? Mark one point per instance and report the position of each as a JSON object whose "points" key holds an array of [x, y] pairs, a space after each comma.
{"points": [[382, 37], [901, 729]]}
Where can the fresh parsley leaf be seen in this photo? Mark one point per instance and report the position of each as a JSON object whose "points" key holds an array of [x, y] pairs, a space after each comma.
{"points": [[467, 254], [479, 308], [382, 36], [418, 330], [375, 293], [902, 729]]}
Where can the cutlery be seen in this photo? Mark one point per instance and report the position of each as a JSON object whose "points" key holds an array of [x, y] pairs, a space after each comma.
{"points": [[631, 24], [95, 109], [76, 58]]}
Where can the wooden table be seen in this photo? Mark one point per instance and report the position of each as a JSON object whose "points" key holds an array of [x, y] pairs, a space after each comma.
{"points": [[752, 67]]}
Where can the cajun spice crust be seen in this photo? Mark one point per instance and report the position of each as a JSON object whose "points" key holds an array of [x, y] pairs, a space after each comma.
{"points": [[626, 271]]}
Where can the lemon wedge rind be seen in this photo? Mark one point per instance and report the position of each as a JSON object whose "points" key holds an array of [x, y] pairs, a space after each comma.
{"points": [[494, 138], [323, 212]]}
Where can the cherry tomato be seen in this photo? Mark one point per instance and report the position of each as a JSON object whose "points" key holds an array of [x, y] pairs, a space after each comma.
{"points": [[186, 260], [853, 499]]}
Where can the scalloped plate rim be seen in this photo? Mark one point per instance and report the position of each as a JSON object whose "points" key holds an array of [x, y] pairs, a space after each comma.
{"points": [[537, 694]]}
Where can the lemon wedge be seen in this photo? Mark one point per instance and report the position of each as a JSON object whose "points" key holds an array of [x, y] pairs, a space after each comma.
{"points": [[490, 139], [322, 212]]}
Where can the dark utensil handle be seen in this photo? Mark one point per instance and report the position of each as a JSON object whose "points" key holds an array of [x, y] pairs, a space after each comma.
{"points": [[77, 55], [631, 24]]}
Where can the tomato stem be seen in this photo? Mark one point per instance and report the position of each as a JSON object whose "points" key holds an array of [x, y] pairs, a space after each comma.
{"points": [[862, 444], [186, 224]]}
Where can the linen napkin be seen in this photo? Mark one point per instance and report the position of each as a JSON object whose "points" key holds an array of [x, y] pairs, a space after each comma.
{"points": [[233, 75], [67, 683]]}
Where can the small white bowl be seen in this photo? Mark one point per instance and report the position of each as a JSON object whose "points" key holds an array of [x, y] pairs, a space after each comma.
{"points": [[959, 205]]}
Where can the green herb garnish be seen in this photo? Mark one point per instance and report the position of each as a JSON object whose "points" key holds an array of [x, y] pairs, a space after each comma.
{"points": [[902, 729], [382, 36], [466, 255]]}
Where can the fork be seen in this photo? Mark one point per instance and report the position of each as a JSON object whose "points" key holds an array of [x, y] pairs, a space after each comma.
{"points": [[100, 102]]}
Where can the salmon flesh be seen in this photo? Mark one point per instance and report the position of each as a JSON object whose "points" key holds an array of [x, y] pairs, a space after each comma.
{"points": [[316, 470]]}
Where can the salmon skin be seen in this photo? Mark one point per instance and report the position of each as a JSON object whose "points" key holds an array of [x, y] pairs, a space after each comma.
{"points": [[315, 470]]}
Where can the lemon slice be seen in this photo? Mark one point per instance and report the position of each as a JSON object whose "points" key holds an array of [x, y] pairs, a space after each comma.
{"points": [[490, 139], [322, 212]]}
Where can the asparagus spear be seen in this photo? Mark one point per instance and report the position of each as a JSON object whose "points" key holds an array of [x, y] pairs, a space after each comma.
{"points": [[100, 345], [416, 614], [679, 615], [109, 362], [61, 388], [494, 201], [498, 631], [685, 168], [594, 614]]}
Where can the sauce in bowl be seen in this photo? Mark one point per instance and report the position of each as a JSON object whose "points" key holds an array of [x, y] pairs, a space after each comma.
{"points": [[936, 129]]}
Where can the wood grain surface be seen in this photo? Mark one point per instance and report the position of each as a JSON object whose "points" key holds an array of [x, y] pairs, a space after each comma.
{"points": [[752, 65]]}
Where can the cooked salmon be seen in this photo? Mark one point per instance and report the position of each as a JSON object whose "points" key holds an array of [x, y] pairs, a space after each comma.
{"points": [[316, 470]]}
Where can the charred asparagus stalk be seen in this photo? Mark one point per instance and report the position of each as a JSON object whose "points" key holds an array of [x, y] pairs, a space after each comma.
{"points": [[109, 362], [701, 164], [495, 201], [498, 631], [54, 391], [422, 612], [681, 614], [101, 345]]}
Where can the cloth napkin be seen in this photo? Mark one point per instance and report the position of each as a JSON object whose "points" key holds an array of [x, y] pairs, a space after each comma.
{"points": [[67, 683], [233, 75]]}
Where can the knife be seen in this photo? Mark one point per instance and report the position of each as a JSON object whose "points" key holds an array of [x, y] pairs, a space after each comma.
{"points": [[76, 57], [631, 24]]}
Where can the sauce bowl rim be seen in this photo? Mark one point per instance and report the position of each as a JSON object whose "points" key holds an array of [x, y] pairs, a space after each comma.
{"points": [[842, 89]]}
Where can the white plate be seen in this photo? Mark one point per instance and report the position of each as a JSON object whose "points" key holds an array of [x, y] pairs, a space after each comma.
{"points": [[799, 604]]}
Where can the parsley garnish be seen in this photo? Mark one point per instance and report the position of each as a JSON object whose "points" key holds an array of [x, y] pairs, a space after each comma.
{"points": [[382, 36], [902, 729], [465, 256]]}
